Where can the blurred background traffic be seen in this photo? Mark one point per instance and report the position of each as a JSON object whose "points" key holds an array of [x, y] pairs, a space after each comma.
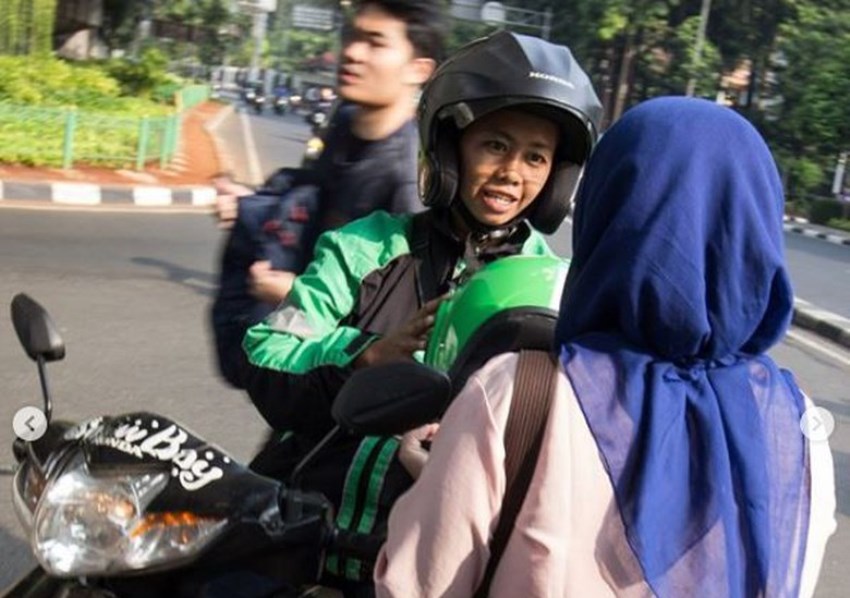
{"points": [[75, 70]]}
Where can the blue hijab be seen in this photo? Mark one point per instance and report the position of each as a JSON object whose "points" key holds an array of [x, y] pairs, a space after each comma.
{"points": [[677, 288]]}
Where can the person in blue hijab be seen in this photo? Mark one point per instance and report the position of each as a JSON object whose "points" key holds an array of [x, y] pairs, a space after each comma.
{"points": [[676, 291], [673, 462]]}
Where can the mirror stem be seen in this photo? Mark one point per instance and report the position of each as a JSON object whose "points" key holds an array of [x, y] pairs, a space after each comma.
{"points": [[45, 390]]}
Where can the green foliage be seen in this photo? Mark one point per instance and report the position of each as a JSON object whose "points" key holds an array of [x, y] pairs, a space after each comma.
{"points": [[839, 223], [290, 47], [52, 82], [797, 207], [142, 77], [814, 85], [26, 26], [803, 176], [163, 93], [463, 32], [208, 20], [821, 211], [667, 67], [38, 93]]}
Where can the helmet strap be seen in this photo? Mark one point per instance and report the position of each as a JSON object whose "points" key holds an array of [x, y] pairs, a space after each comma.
{"points": [[483, 233]]}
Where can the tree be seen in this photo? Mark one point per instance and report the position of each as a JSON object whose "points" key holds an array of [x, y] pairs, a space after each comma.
{"points": [[808, 119], [26, 26], [205, 21]]}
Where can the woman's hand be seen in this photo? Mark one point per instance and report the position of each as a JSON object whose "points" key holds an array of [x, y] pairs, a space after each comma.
{"points": [[411, 451], [401, 344]]}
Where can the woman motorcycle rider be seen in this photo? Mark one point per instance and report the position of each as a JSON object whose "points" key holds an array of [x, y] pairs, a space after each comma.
{"points": [[506, 125]]}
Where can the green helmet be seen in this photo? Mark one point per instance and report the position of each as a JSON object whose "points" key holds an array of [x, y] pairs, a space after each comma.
{"points": [[508, 305]]}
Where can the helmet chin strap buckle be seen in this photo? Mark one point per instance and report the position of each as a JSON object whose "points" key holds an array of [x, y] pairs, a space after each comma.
{"points": [[484, 233], [475, 243]]}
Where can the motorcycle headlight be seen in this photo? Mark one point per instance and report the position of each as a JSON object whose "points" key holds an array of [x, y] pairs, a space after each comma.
{"points": [[86, 525], [28, 487]]}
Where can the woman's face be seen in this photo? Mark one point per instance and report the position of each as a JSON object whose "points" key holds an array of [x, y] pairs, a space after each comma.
{"points": [[506, 158]]}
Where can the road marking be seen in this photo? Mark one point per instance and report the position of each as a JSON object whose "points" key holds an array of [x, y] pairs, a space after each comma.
{"points": [[47, 205], [797, 337], [251, 150], [85, 194], [152, 196]]}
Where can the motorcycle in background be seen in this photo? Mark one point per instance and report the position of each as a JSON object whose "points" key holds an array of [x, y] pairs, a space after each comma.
{"points": [[255, 99], [281, 104], [319, 120]]}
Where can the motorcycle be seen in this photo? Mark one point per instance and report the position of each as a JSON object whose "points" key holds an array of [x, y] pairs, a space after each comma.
{"points": [[255, 99], [281, 104], [258, 102], [320, 114], [319, 120], [313, 147], [138, 505]]}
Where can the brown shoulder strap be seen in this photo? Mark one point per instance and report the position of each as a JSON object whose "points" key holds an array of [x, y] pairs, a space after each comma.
{"points": [[533, 392]]}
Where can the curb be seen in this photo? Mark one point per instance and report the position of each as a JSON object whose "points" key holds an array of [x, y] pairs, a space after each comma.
{"points": [[90, 194], [823, 323], [225, 162], [143, 196], [808, 232], [796, 224]]}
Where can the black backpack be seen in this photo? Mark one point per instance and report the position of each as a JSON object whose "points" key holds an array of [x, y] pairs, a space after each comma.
{"points": [[281, 227]]}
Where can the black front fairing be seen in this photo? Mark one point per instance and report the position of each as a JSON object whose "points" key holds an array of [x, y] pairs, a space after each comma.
{"points": [[268, 525], [202, 479]]}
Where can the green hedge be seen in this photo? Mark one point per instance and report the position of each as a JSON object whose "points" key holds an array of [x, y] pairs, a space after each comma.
{"points": [[821, 211], [840, 223], [37, 137], [103, 104]]}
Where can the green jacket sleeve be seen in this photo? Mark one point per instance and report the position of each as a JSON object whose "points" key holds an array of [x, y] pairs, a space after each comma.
{"points": [[305, 332], [296, 361]]}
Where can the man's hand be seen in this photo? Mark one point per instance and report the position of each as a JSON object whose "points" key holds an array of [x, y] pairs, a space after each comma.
{"points": [[400, 345], [227, 197], [268, 285], [412, 453]]}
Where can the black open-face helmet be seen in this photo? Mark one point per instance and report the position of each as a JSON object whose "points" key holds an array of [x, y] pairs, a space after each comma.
{"points": [[507, 70]]}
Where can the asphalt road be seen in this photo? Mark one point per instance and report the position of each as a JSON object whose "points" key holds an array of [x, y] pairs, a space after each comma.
{"points": [[259, 144], [820, 272]]}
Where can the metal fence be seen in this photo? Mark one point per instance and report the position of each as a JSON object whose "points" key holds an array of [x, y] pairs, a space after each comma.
{"points": [[63, 137], [191, 96]]}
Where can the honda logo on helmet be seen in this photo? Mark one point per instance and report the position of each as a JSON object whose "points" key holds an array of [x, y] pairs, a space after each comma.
{"points": [[552, 78]]}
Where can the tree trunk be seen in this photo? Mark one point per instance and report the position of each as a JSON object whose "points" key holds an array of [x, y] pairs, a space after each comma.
{"points": [[607, 67], [624, 78]]}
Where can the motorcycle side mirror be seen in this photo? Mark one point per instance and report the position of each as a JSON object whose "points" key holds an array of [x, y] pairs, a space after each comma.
{"points": [[35, 329], [40, 339], [391, 399]]}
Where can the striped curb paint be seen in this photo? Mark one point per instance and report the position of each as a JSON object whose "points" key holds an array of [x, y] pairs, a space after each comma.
{"points": [[822, 322], [86, 194], [836, 239]]}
